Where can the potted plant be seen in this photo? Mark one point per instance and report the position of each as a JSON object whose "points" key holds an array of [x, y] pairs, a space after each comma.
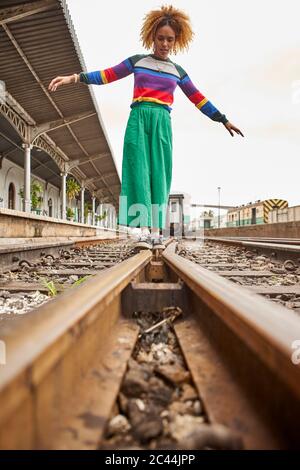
{"points": [[87, 208], [104, 216], [70, 213], [98, 217], [36, 198], [36, 189]]}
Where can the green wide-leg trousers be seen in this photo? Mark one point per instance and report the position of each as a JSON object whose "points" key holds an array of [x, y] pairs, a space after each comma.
{"points": [[147, 167]]}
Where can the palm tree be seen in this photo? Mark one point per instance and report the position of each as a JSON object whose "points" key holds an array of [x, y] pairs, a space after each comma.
{"points": [[72, 189]]}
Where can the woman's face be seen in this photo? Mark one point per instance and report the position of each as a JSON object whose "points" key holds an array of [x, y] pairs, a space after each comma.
{"points": [[164, 41]]}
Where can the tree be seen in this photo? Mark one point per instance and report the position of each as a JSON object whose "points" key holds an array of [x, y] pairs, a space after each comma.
{"points": [[209, 213], [72, 189]]}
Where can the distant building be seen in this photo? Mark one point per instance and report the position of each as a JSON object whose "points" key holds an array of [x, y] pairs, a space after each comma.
{"points": [[179, 213], [204, 220], [223, 221], [254, 213], [287, 214]]}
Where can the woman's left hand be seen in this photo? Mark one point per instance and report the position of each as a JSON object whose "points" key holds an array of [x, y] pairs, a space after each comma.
{"points": [[230, 127]]}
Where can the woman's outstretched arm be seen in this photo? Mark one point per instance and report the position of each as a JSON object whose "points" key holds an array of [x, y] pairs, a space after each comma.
{"points": [[99, 77], [205, 106], [63, 80]]}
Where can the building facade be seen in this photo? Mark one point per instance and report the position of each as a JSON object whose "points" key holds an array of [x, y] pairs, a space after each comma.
{"points": [[254, 214], [12, 183]]}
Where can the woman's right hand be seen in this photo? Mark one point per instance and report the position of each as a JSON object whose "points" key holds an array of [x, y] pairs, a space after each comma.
{"points": [[58, 81]]}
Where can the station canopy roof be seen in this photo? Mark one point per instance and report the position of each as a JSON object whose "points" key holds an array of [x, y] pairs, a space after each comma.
{"points": [[38, 43]]}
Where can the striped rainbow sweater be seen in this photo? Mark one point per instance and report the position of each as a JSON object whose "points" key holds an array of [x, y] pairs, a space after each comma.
{"points": [[155, 81]]}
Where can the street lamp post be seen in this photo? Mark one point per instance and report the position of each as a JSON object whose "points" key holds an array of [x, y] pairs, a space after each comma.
{"points": [[219, 191]]}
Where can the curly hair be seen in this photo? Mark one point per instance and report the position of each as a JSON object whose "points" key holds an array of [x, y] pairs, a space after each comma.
{"points": [[176, 19]]}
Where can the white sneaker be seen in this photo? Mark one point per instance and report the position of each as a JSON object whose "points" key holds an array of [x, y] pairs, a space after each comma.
{"points": [[157, 243], [144, 242]]}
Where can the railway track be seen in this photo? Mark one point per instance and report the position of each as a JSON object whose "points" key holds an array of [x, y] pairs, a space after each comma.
{"points": [[35, 278], [274, 273], [280, 249], [13, 251], [154, 352], [287, 241]]}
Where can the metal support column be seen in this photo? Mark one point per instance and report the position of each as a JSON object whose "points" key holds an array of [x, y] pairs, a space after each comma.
{"points": [[27, 177], [93, 209], [82, 205], [100, 213], [108, 217], [111, 217], [63, 195]]}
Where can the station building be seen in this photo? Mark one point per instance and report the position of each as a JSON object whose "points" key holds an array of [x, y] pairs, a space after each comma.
{"points": [[48, 138]]}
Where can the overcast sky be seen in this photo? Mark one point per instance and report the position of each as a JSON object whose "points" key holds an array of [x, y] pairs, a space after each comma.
{"points": [[245, 58]]}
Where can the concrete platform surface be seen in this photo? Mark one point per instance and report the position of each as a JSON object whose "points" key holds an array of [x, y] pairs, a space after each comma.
{"points": [[16, 224]]}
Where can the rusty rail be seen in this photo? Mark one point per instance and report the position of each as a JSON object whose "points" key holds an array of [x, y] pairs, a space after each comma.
{"points": [[287, 241], [253, 339], [56, 352], [280, 249]]}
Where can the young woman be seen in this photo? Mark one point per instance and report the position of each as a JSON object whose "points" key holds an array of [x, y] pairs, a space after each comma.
{"points": [[147, 151]]}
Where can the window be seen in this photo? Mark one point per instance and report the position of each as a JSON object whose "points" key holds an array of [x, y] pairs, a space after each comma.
{"points": [[11, 196], [173, 206]]}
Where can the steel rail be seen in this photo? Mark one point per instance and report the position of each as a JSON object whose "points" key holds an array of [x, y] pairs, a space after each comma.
{"points": [[252, 341], [282, 250], [49, 350], [247, 315], [31, 249], [287, 241], [259, 244]]}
